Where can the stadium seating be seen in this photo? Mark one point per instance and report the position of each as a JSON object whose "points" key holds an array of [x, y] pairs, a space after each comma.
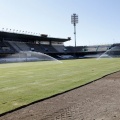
{"points": [[91, 48], [49, 49], [60, 48], [103, 47], [8, 46], [5, 48], [35, 47], [22, 46], [72, 49]]}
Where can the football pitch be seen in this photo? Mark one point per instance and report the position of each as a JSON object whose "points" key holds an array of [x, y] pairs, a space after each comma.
{"points": [[23, 83]]}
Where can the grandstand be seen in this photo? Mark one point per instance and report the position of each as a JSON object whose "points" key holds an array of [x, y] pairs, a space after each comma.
{"points": [[12, 43]]}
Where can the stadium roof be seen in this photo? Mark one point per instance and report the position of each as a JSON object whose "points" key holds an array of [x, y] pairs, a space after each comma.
{"points": [[20, 36]]}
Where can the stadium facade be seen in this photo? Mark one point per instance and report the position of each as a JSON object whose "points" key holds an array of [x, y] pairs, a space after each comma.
{"points": [[12, 43]]}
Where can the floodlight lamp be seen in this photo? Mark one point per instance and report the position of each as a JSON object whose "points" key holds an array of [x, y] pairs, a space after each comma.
{"points": [[74, 19]]}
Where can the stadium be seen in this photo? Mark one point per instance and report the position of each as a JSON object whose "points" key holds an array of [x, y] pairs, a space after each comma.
{"points": [[11, 45], [42, 79]]}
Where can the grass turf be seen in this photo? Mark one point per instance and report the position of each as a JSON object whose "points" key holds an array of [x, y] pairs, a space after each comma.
{"points": [[23, 83]]}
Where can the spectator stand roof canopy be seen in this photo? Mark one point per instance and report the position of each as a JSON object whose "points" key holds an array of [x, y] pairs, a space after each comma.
{"points": [[29, 38]]}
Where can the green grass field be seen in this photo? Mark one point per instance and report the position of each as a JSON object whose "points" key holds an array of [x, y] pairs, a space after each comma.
{"points": [[23, 83]]}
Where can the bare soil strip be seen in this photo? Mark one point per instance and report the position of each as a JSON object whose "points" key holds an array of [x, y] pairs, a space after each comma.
{"points": [[99, 100]]}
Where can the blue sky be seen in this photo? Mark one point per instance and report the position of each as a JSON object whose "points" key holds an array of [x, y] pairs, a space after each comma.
{"points": [[99, 20]]}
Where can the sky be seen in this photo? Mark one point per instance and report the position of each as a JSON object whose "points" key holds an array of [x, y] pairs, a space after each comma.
{"points": [[98, 23]]}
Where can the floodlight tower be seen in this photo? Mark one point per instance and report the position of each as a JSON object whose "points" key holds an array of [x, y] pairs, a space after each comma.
{"points": [[74, 21]]}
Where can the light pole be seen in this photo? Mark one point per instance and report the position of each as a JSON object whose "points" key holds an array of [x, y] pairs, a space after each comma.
{"points": [[74, 21]]}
